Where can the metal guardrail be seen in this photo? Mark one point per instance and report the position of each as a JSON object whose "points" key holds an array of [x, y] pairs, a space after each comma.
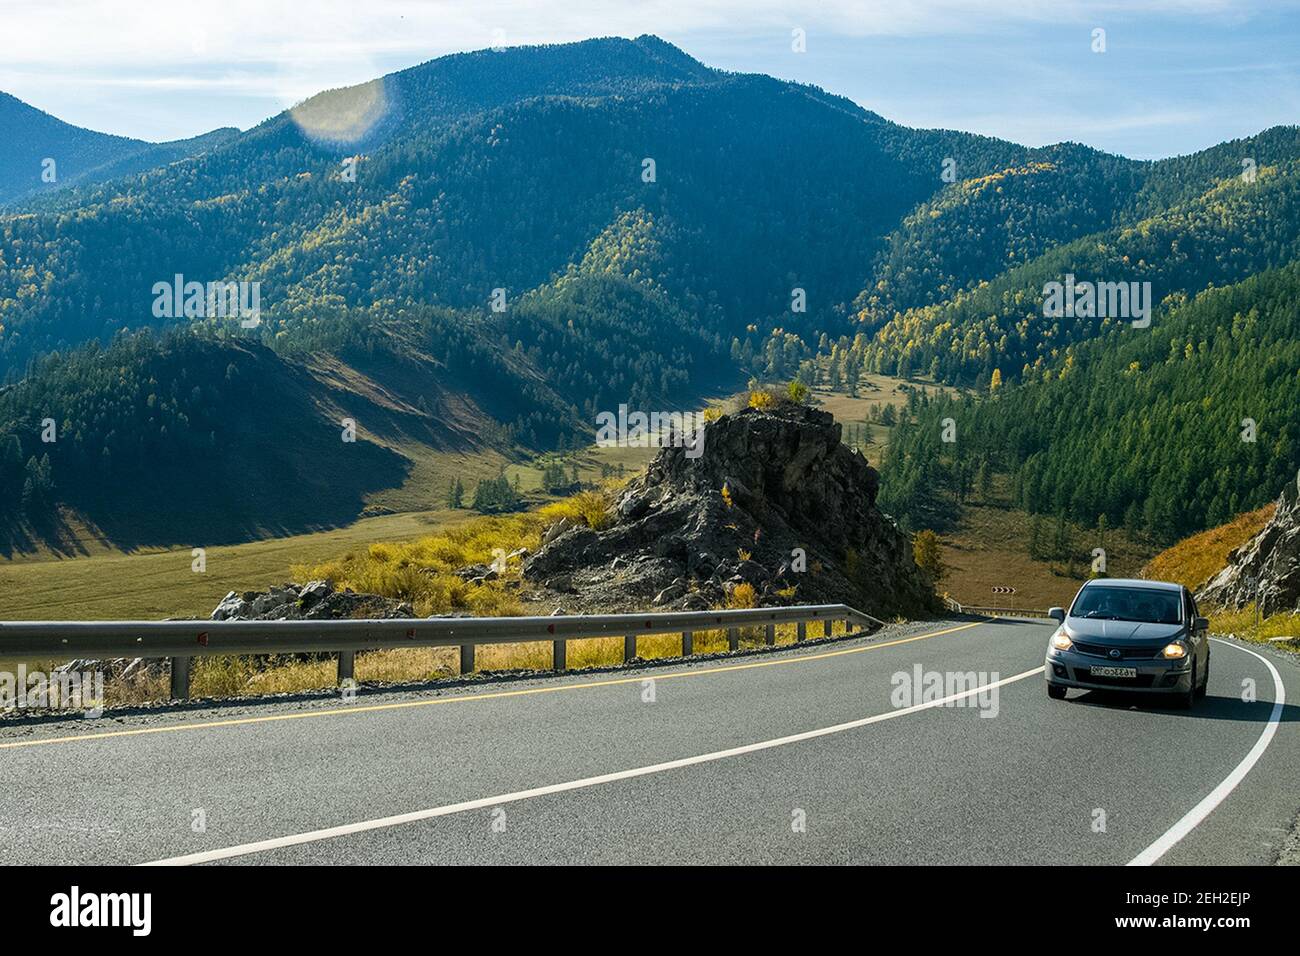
{"points": [[182, 640], [1006, 611], [993, 611]]}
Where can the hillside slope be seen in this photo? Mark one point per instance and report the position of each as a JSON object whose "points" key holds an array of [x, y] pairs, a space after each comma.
{"points": [[1166, 430], [33, 139], [1226, 233], [205, 440], [1193, 561]]}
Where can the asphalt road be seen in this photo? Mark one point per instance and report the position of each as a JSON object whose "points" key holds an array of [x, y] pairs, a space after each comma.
{"points": [[809, 755]]}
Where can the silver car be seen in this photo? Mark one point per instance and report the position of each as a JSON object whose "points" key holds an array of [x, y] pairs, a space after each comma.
{"points": [[1143, 636]]}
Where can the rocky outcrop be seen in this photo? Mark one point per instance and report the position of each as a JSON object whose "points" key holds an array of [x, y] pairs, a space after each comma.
{"points": [[1267, 567], [775, 501], [314, 601]]}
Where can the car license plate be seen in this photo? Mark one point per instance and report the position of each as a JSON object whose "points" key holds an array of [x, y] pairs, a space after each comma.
{"points": [[1098, 670]]}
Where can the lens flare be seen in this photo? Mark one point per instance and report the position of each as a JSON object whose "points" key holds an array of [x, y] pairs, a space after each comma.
{"points": [[344, 116]]}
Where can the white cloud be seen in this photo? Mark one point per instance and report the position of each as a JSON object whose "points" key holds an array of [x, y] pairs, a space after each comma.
{"points": [[140, 37], [173, 68]]}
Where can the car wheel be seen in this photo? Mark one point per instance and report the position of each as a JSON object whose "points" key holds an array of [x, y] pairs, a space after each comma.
{"points": [[1055, 692], [1205, 684]]}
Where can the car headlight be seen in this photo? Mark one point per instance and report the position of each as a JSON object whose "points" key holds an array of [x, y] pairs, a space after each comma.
{"points": [[1061, 641], [1174, 651]]}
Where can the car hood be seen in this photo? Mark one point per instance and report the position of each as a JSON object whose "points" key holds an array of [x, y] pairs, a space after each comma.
{"points": [[1120, 632]]}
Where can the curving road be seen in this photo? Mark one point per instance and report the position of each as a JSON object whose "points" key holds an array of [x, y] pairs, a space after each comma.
{"points": [[807, 755]]}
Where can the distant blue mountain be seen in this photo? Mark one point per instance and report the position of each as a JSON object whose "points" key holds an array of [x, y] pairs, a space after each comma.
{"points": [[40, 153]]}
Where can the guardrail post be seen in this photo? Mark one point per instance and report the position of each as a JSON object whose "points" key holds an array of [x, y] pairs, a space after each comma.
{"points": [[770, 636], [629, 647], [801, 631], [733, 638], [467, 658], [347, 665], [688, 643], [180, 678], [826, 628], [559, 655]]}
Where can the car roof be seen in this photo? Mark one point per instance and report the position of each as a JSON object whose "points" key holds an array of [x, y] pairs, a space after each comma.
{"points": [[1135, 583]]}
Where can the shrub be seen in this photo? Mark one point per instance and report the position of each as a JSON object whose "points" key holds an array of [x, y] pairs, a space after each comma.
{"points": [[591, 508], [742, 596]]}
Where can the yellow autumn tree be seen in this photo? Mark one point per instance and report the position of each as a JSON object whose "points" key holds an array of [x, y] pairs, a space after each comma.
{"points": [[925, 551]]}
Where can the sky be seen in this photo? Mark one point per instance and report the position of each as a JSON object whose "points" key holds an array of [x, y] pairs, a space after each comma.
{"points": [[1174, 76]]}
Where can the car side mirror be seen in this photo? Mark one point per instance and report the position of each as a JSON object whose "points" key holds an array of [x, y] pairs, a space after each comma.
{"points": [[1057, 614], [1202, 623]]}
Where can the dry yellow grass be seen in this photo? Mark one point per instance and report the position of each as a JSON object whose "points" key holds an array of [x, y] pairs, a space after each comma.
{"points": [[587, 507], [1193, 561], [231, 676], [989, 548], [1242, 623], [423, 571]]}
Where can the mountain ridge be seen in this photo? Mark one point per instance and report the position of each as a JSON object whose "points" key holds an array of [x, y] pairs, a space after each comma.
{"points": [[555, 230], [80, 156]]}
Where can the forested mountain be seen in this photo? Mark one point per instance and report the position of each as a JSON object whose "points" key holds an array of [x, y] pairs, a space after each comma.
{"points": [[43, 155], [1194, 222], [632, 234], [541, 233], [448, 206], [1181, 427], [184, 435], [984, 225]]}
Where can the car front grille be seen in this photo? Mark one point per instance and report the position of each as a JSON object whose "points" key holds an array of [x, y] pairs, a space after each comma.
{"points": [[1125, 653]]}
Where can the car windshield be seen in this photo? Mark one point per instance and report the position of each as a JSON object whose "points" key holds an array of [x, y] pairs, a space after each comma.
{"points": [[1129, 604]]}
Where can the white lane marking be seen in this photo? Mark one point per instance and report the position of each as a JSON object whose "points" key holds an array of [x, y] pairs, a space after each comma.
{"points": [[1220, 793], [484, 802]]}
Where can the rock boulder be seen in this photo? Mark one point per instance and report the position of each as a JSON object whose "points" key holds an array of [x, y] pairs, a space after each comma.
{"points": [[774, 501], [1266, 567]]}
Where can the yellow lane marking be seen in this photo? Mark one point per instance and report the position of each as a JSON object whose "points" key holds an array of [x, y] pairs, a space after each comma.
{"points": [[402, 705]]}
